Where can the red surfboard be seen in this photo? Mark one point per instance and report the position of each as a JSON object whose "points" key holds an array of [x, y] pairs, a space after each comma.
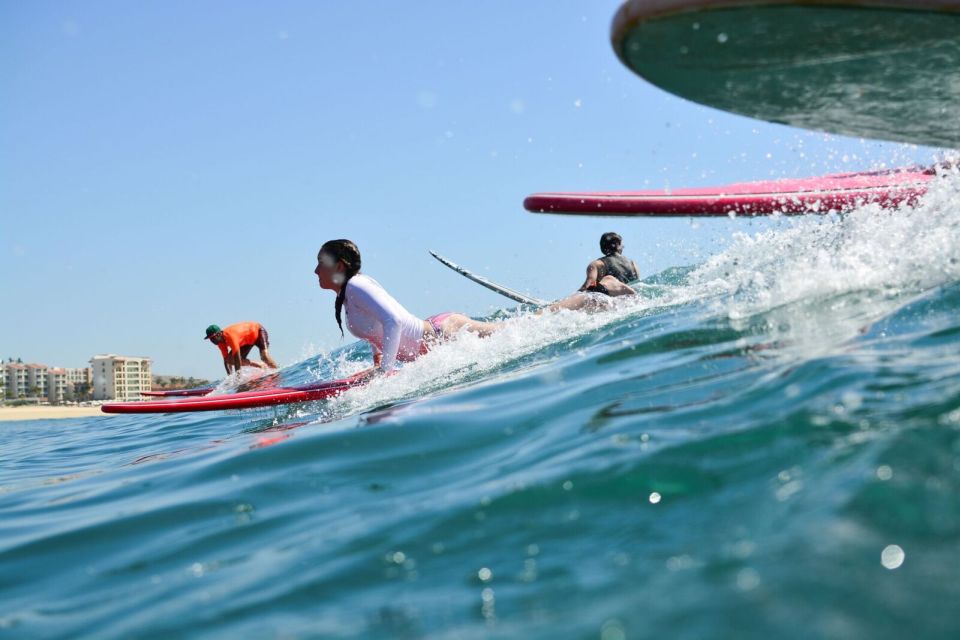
{"points": [[825, 194], [178, 393], [243, 400]]}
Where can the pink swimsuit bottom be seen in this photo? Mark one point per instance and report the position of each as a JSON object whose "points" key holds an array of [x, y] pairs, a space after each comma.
{"points": [[437, 322]]}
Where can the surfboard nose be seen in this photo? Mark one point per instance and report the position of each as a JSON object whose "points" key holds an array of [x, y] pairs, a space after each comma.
{"points": [[885, 69]]}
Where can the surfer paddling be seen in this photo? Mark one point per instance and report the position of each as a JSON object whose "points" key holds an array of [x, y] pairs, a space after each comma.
{"points": [[612, 273], [607, 277], [395, 334], [237, 340]]}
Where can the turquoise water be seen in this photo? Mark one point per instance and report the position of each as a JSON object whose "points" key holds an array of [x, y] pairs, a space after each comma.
{"points": [[763, 445]]}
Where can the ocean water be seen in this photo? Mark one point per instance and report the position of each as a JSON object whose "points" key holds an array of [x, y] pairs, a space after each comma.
{"points": [[764, 445]]}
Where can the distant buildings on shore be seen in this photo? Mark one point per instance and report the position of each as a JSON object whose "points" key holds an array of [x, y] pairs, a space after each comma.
{"points": [[40, 382], [120, 377], [109, 377]]}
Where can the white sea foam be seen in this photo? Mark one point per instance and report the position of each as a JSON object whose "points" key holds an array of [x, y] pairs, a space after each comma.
{"points": [[230, 383], [468, 357], [821, 279], [870, 248]]}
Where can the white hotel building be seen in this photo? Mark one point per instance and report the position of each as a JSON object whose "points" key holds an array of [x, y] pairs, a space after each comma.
{"points": [[24, 380], [120, 377], [15, 377], [38, 381]]}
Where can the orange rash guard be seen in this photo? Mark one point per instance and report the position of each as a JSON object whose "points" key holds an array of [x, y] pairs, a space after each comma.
{"points": [[239, 335]]}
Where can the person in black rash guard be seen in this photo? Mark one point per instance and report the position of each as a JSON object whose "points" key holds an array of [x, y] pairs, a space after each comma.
{"points": [[607, 278], [612, 273]]}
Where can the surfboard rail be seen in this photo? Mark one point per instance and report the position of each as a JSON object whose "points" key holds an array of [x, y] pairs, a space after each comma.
{"points": [[507, 292], [820, 195], [178, 393], [244, 400]]}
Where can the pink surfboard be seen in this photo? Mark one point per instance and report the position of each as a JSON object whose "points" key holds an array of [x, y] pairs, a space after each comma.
{"points": [[243, 400], [825, 194]]}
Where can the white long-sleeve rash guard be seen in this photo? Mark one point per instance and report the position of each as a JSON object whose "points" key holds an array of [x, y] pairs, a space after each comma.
{"points": [[376, 316]]}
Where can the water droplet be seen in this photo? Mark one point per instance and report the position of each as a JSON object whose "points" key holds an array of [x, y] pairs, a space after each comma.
{"points": [[747, 579], [612, 629], [722, 38], [892, 557], [851, 400], [678, 563]]}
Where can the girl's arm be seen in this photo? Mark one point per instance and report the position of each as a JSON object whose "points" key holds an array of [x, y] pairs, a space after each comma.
{"points": [[593, 274], [375, 302]]}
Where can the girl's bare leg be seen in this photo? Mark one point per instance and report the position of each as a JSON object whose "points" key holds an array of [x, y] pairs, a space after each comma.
{"points": [[453, 323]]}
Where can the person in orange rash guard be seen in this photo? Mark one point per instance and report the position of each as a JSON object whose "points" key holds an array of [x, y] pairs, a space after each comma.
{"points": [[236, 341]]}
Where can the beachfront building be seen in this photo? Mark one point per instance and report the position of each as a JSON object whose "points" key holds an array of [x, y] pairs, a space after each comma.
{"points": [[79, 376], [79, 383], [58, 388], [120, 377], [68, 384], [15, 377], [37, 380], [24, 380]]}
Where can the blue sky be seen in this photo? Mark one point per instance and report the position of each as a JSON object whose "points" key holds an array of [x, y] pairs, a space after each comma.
{"points": [[168, 165]]}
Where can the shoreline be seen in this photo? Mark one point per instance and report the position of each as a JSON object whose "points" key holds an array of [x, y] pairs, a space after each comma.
{"points": [[56, 412]]}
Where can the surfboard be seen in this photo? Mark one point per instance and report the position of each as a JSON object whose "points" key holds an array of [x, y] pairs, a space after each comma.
{"points": [[178, 393], [254, 379], [887, 69], [245, 399], [825, 194], [507, 292]]}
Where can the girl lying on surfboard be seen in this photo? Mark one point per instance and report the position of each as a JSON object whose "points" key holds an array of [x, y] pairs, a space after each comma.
{"points": [[395, 334], [375, 316]]}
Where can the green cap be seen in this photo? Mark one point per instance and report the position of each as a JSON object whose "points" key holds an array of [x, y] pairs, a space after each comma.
{"points": [[212, 330]]}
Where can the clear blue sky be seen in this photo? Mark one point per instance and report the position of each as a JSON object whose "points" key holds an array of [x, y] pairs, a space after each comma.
{"points": [[171, 164]]}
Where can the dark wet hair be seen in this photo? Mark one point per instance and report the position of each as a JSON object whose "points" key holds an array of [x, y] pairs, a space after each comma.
{"points": [[344, 251], [610, 243]]}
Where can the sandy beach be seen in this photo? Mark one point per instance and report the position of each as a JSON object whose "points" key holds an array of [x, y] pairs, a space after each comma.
{"points": [[48, 412]]}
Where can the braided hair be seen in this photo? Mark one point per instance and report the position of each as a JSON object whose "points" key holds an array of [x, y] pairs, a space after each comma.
{"points": [[344, 251]]}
